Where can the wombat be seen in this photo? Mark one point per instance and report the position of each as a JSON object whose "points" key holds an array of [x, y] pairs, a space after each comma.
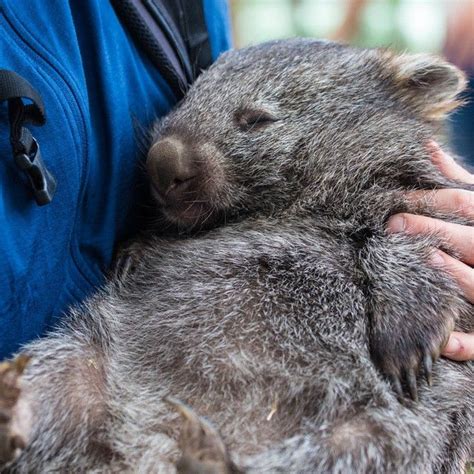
{"points": [[277, 327]]}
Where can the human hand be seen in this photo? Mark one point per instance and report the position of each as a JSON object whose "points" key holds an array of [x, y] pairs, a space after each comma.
{"points": [[460, 345]]}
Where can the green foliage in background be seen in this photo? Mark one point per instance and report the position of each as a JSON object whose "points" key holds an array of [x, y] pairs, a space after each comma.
{"points": [[416, 25]]}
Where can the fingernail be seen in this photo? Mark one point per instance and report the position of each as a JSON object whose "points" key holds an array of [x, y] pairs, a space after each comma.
{"points": [[439, 156], [396, 224], [437, 259], [433, 146], [453, 346]]}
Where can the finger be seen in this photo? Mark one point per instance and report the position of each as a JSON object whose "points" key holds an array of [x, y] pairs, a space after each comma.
{"points": [[458, 201], [459, 236], [462, 274], [448, 166], [460, 347]]}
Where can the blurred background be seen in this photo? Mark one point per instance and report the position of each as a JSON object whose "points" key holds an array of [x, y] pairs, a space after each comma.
{"points": [[440, 26]]}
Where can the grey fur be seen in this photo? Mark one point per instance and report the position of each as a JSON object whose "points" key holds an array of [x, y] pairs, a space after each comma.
{"points": [[282, 326]]}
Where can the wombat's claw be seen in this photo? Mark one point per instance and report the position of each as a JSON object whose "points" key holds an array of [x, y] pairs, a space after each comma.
{"points": [[122, 266], [397, 385], [125, 261], [428, 368], [407, 376], [203, 451], [11, 443], [411, 384]]}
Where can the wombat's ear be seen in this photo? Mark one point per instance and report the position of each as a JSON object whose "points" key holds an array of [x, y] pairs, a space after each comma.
{"points": [[428, 83]]}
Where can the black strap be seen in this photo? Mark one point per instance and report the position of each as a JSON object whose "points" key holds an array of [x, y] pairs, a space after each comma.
{"points": [[165, 22], [173, 34], [25, 148], [189, 16]]}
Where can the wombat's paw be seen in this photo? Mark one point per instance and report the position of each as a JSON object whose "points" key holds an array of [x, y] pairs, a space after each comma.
{"points": [[406, 352], [15, 416], [202, 448]]}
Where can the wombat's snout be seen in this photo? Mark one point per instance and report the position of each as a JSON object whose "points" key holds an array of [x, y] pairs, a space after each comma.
{"points": [[171, 167], [186, 179]]}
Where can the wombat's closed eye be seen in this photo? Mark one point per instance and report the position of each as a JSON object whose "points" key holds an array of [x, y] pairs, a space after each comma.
{"points": [[252, 119]]}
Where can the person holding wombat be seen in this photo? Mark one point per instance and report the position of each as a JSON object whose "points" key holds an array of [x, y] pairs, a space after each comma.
{"points": [[277, 327]]}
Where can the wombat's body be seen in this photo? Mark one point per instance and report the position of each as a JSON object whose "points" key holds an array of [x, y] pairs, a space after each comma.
{"points": [[270, 326]]}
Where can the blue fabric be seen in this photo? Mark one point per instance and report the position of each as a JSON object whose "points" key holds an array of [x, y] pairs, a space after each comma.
{"points": [[96, 87], [462, 127]]}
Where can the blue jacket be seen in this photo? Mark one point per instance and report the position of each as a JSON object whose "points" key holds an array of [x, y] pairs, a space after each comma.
{"points": [[96, 87]]}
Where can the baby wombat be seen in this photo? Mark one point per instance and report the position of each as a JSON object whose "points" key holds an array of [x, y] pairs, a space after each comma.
{"points": [[294, 338]]}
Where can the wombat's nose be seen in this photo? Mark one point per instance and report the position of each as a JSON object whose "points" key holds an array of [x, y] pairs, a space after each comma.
{"points": [[170, 165]]}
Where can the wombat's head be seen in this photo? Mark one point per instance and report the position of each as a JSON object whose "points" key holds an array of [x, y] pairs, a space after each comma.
{"points": [[298, 120]]}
